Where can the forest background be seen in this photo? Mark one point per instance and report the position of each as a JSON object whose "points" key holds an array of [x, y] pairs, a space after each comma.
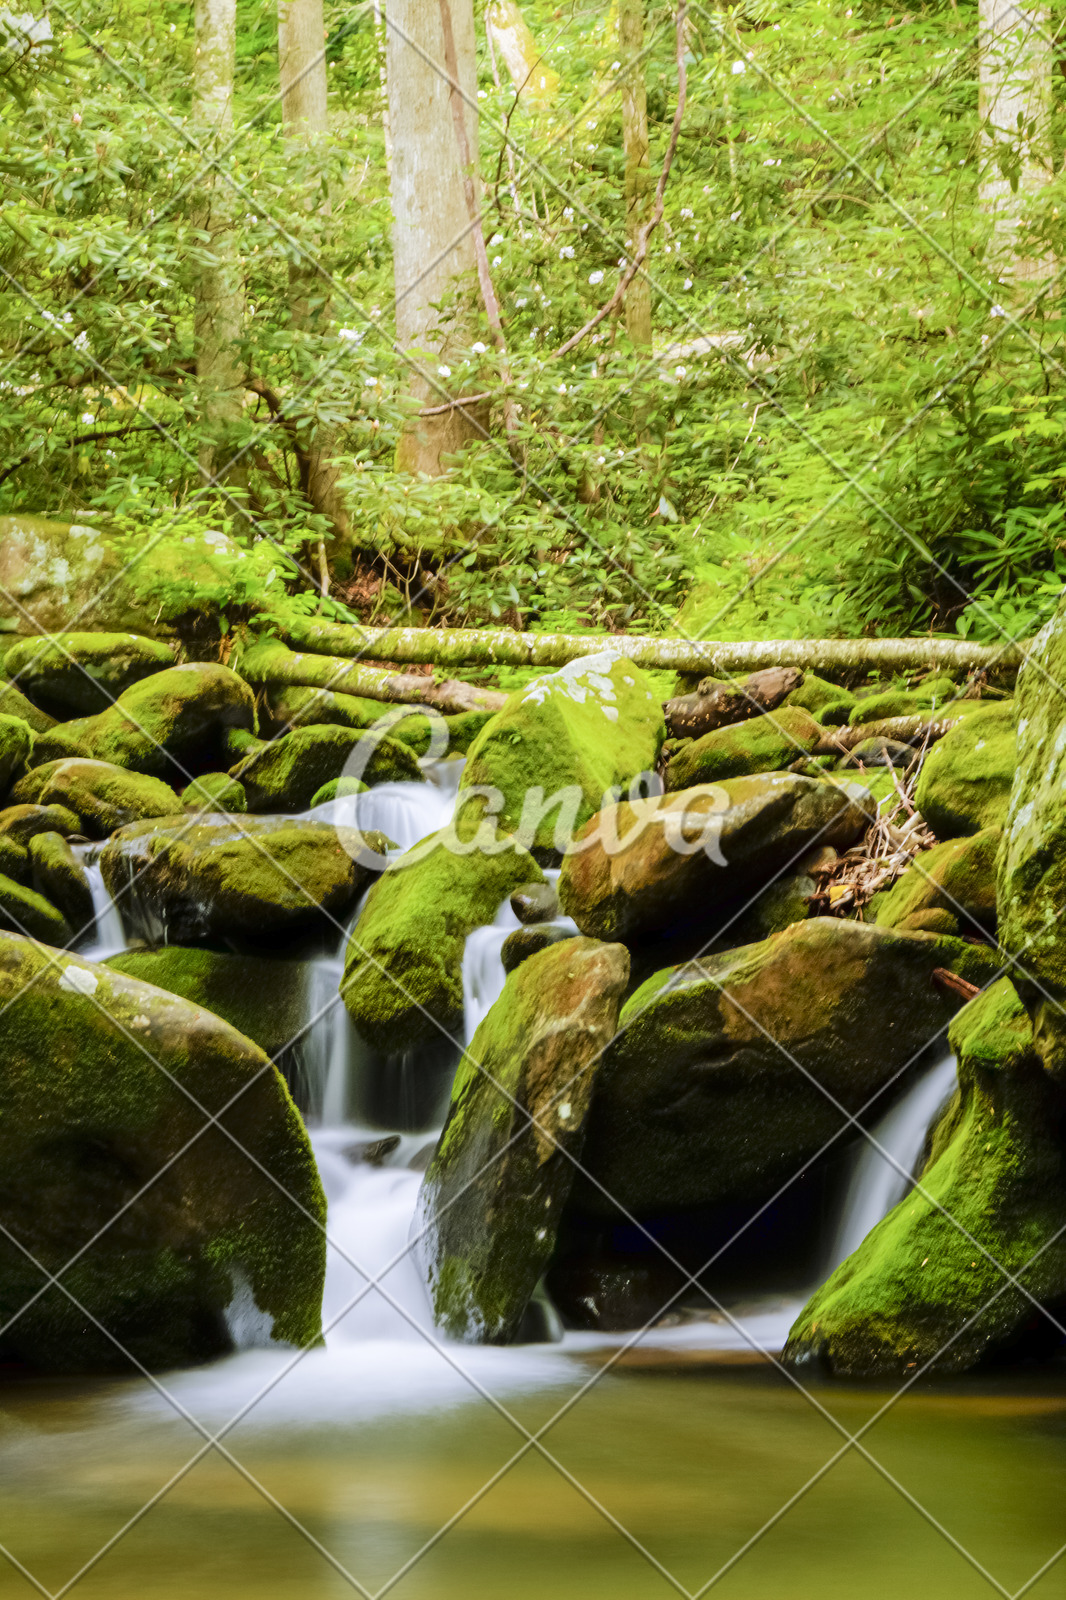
{"points": [[827, 397]]}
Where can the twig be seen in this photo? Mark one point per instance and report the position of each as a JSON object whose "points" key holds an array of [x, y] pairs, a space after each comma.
{"points": [[80, 438], [644, 236], [461, 400]]}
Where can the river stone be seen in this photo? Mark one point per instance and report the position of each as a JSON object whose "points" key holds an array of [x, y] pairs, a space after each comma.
{"points": [[932, 695], [106, 1090], [296, 706], [492, 1196], [172, 725], [24, 910], [61, 878], [20, 823], [289, 772], [728, 1075], [928, 1288], [58, 743], [80, 674], [265, 999], [403, 981], [535, 902], [16, 747], [256, 877], [815, 695], [572, 736], [15, 860], [215, 791], [525, 942], [661, 878], [965, 781], [52, 573], [105, 797], [948, 889], [13, 703], [337, 789], [766, 743]]}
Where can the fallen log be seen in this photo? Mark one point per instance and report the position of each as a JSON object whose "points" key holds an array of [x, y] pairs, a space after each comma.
{"points": [[271, 663], [906, 730], [715, 705], [454, 647]]}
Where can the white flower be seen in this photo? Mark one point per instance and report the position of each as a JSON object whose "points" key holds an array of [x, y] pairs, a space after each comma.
{"points": [[521, 301], [371, 383], [596, 277], [568, 213], [497, 238], [351, 334], [680, 372], [444, 372], [737, 68], [687, 283], [615, 65], [566, 253], [478, 348], [733, 215], [600, 460], [497, 261], [686, 211], [561, 389], [997, 311]]}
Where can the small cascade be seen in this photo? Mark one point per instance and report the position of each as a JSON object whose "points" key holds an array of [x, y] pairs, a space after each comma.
{"points": [[108, 937], [880, 1181], [404, 812], [483, 974]]}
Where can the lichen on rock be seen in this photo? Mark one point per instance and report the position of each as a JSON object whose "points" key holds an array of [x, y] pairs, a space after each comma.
{"points": [[965, 781]]}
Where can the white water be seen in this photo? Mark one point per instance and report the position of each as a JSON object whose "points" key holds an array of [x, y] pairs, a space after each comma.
{"points": [[404, 812], [108, 937]]}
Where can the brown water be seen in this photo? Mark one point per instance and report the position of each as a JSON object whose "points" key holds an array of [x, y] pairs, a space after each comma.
{"points": [[665, 1477]]}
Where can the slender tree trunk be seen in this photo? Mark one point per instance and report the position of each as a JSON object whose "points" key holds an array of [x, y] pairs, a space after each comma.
{"points": [[638, 173], [304, 115], [534, 81], [218, 313], [433, 241], [1016, 60]]}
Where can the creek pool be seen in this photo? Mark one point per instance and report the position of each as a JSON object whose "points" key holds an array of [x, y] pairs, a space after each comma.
{"points": [[669, 1473]]}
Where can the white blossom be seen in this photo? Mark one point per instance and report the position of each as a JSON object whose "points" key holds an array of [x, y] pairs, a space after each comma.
{"points": [[444, 372], [566, 253], [737, 68], [596, 277], [478, 348], [687, 283]]}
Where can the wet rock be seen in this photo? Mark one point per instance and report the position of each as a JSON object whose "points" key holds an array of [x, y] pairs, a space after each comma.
{"points": [[718, 702], [932, 695], [215, 791], [52, 571], [99, 1148], [526, 942], [949, 889], [965, 780], [535, 902], [564, 741], [930, 1287], [337, 789], [818, 696], [494, 1191], [729, 1074], [80, 674], [59, 876], [16, 746], [879, 752], [21, 822], [403, 980], [691, 859], [765, 743], [372, 1152], [781, 904], [295, 706], [265, 999], [173, 724], [286, 775], [23, 910], [103, 796], [61, 742], [13, 703], [255, 877]]}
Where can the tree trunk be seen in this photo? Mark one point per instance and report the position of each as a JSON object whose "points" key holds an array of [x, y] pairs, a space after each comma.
{"points": [[304, 115], [456, 647], [271, 663], [432, 238], [1015, 102], [638, 173], [535, 83], [218, 312]]}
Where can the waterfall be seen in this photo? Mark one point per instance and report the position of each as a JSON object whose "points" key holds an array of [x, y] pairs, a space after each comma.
{"points": [[879, 1183], [483, 974], [108, 937], [404, 812]]}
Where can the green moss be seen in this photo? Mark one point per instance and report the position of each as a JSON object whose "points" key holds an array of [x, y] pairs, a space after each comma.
{"points": [[965, 781], [336, 789], [266, 1000], [403, 972], [957, 880], [25, 911], [815, 695], [19, 823], [58, 743], [174, 720], [574, 735], [13, 703], [215, 791], [835, 713], [287, 774], [108, 1148], [296, 706], [765, 743], [16, 748], [61, 878], [105, 797], [72, 674]]}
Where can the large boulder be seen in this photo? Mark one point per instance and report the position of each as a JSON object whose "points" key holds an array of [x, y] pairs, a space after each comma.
{"points": [[156, 1221], [13, 703], [253, 877], [59, 876], [766, 743], [16, 747], [287, 774], [965, 781], [79, 674], [496, 1186], [948, 889], [960, 1269], [103, 796], [403, 981], [265, 999], [297, 706], [54, 573], [173, 724], [24, 910], [654, 866], [562, 744], [729, 1074]]}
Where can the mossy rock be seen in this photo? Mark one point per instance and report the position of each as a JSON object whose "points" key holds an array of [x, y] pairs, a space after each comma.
{"points": [[835, 713], [965, 781], [16, 749], [19, 823], [956, 880], [158, 1220], [816, 695], [297, 706], [173, 724], [691, 860], [215, 791], [403, 982], [23, 910], [288, 773], [105, 797], [766, 743], [785, 901], [337, 789], [525, 942], [64, 740], [931, 696], [929, 1288], [560, 745], [52, 571], [80, 674], [59, 876], [13, 703], [728, 1075], [15, 860], [491, 1201], [266, 1000], [253, 877]]}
